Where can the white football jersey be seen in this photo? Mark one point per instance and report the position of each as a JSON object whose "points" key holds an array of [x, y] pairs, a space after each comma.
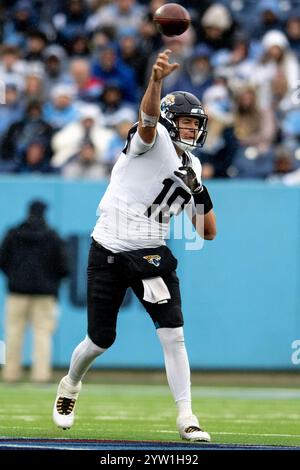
{"points": [[143, 194]]}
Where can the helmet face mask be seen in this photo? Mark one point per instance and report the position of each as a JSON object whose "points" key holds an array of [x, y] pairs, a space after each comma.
{"points": [[182, 104]]}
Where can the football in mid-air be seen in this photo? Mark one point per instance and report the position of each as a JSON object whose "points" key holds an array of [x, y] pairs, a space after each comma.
{"points": [[172, 19]]}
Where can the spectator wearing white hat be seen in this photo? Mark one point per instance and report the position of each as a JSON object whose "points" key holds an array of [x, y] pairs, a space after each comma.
{"points": [[216, 27], [277, 58], [277, 51], [62, 109], [88, 127]]}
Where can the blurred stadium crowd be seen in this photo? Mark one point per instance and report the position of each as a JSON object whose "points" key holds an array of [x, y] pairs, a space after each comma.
{"points": [[72, 73]]}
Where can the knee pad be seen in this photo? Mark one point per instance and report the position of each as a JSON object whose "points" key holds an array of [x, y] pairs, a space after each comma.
{"points": [[103, 338]]}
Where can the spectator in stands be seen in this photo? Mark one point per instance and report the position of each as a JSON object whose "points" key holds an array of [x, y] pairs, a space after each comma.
{"points": [[119, 13], [279, 57], [292, 30], [11, 110], [70, 22], [254, 130], [236, 64], [150, 38], [12, 68], [36, 43], [181, 47], [55, 60], [86, 164], [109, 67], [113, 106], [67, 142], [33, 258], [117, 143], [132, 53], [216, 156], [88, 88], [34, 87], [281, 101], [102, 36], [197, 76], [62, 109], [23, 19], [269, 18], [79, 46], [284, 165], [291, 129], [216, 27], [34, 159], [20, 133]]}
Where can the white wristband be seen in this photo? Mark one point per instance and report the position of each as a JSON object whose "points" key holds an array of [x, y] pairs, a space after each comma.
{"points": [[148, 121]]}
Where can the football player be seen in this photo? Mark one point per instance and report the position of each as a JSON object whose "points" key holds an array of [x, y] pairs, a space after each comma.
{"points": [[155, 177]]}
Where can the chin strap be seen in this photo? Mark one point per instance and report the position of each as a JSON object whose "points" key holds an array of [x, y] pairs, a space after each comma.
{"points": [[184, 146]]}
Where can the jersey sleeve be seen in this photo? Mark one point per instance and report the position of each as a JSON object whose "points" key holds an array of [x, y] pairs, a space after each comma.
{"points": [[135, 146]]}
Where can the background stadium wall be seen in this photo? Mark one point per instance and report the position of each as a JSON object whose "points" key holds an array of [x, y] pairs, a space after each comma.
{"points": [[240, 293]]}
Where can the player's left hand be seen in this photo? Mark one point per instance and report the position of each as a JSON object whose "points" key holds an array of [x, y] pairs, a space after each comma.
{"points": [[188, 176]]}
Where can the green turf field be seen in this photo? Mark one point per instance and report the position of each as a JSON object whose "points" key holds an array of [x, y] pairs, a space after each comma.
{"points": [[146, 412]]}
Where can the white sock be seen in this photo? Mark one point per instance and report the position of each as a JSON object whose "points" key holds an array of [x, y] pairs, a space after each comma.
{"points": [[83, 356], [177, 367]]}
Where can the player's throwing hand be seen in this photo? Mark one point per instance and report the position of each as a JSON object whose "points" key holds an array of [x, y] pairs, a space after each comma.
{"points": [[162, 67]]}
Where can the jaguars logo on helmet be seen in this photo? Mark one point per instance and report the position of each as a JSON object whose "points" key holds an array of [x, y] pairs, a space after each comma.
{"points": [[168, 100]]}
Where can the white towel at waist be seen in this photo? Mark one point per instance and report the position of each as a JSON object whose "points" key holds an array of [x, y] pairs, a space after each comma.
{"points": [[155, 290]]}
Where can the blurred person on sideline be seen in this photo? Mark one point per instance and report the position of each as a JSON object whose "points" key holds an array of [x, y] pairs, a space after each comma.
{"points": [[34, 260], [154, 178]]}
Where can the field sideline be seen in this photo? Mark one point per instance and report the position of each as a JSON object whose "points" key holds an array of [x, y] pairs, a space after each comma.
{"points": [[233, 415]]}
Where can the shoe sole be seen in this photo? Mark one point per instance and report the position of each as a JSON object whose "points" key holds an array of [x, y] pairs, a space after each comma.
{"points": [[195, 440]]}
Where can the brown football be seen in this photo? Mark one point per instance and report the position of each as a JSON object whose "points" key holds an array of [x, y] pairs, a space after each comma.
{"points": [[172, 19]]}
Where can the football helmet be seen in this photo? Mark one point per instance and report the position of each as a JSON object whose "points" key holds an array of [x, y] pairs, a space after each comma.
{"points": [[180, 104]]}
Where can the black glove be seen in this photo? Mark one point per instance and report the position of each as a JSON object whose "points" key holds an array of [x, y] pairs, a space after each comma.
{"points": [[188, 176]]}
